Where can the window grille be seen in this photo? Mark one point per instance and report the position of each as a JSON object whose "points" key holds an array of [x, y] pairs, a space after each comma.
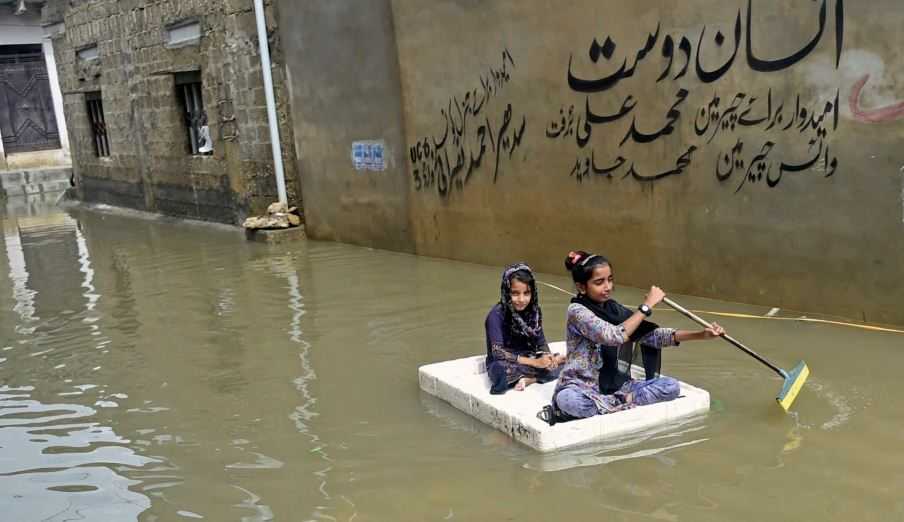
{"points": [[98, 124], [188, 90]]}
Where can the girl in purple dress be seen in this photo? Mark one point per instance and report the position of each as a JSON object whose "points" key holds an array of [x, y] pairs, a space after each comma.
{"points": [[517, 353], [591, 383]]}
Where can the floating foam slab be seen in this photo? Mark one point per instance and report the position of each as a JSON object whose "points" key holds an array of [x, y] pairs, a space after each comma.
{"points": [[463, 383]]}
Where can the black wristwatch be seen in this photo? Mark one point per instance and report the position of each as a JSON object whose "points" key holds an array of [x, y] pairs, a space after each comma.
{"points": [[645, 310]]}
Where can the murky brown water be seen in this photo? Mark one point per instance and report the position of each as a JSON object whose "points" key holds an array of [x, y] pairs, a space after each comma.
{"points": [[158, 371]]}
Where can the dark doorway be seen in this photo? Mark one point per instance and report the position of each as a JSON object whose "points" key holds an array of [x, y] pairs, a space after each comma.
{"points": [[27, 120]]}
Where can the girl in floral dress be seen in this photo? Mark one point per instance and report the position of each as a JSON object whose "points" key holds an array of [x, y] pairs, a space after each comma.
{"points": [[596, 323]]}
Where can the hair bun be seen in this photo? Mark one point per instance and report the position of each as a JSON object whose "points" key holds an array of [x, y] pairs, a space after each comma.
{"points": [[573, 258]]}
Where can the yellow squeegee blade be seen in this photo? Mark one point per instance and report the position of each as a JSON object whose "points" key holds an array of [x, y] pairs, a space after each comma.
{"points": [[793, 383]]}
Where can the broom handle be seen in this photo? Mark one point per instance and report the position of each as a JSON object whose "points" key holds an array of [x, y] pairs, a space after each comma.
{"points": [[699, 320]]}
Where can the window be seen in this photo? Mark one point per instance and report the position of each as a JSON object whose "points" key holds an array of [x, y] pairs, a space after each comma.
{"points": [[187, 32], [188, 90], [88, 54], [98, 124]]}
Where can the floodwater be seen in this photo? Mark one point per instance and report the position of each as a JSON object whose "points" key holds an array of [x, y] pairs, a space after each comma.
{"points": [[152, 370]]}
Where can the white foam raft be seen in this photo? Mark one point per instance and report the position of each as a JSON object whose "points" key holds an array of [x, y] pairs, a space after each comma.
{"points": [[464, 384]]}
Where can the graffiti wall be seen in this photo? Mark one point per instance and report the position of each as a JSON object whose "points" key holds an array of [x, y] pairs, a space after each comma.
{"points": [[742, 149]]}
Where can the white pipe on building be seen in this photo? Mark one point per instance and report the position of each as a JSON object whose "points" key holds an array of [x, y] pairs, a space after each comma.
{"points": [[271, 101], [3, 164], [56, 95]]}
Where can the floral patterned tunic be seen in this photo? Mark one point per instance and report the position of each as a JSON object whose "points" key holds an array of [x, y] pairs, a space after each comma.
{"points": [[585, 333]]}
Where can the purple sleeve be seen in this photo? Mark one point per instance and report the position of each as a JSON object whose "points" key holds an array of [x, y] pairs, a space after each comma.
{"points": [[542, 345], [496, 348], [660, 338]]}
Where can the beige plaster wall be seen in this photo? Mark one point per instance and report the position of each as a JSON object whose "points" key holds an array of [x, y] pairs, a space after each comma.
{"points": [[774, 182]]}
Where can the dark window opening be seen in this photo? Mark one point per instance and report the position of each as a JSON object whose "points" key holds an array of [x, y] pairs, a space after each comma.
{"points": [[98, 124], [11, 54], [188, 90]]}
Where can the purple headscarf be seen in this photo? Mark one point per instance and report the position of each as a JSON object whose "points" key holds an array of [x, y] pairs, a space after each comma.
{"points": [[528, 323]]}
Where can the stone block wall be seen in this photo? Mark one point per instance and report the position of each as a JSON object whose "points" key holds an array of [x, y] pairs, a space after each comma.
{"points": [[150, 166]]}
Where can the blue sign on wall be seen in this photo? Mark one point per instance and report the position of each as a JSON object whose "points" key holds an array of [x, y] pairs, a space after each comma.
{"points": [[368, 155]]}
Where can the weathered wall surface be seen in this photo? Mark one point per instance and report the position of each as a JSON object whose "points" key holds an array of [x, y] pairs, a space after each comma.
{"points": [[150, 166], [741, 150], [344, 79], [21, 29]]}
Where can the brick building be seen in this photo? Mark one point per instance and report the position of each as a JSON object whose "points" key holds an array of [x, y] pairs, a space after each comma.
{"points": [[165, 105]]}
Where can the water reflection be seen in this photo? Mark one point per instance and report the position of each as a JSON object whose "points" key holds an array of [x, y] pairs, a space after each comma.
{"points": [[60, 460], [657, 443], [653, 443], [18, 274], [304, 414], [58, 463], [160, 371]]}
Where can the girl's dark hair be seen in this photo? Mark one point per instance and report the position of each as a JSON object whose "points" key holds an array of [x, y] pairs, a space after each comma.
{"points": [[528, 323], [527, 278], [524, 276], [581, 265]]}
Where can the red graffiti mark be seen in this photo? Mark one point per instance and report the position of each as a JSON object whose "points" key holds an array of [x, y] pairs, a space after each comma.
{"points": [[883, 114]]}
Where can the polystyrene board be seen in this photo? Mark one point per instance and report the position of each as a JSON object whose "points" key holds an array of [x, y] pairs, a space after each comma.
{"points": [[463, 383]]}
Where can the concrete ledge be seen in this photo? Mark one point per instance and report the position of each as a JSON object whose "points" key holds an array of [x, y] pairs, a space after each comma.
{"points": [[463, 383], [76, 204], [18, 183], [276, 235]]}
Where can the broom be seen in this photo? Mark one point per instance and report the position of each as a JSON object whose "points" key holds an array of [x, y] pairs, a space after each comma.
{"points": [[794, 379]]}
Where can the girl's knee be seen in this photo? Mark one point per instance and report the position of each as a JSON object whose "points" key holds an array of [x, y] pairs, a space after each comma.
{"points": [[656, 390], [575, 404], [671, 388]]}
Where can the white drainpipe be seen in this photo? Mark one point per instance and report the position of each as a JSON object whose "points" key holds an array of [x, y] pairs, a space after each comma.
{"points": [[271, 101], [3, 164]]}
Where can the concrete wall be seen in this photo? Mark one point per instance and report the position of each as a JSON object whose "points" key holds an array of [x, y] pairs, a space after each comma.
{"points": [[761, 169], [150, 166], [344, 79], [22, 29]]}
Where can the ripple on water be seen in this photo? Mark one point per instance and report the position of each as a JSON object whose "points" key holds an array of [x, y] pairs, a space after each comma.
{"points": [[64, 463], [841, 404], [680, 433], [261, 462], [86, 493]]}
